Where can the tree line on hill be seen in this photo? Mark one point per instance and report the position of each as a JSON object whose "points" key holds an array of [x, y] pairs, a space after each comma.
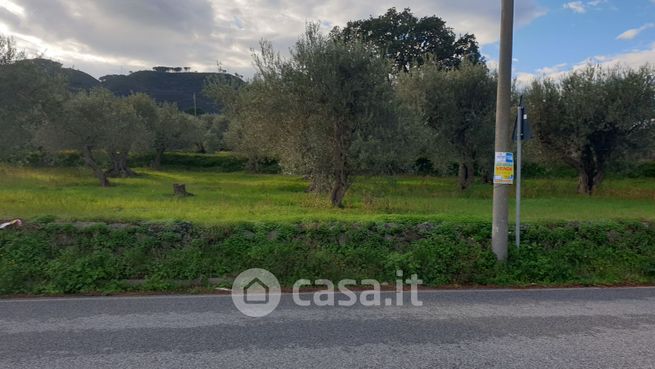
{"points": [[164, 69], [383, 95]]}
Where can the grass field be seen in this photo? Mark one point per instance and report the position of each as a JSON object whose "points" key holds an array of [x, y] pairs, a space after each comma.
{"points": [[71, 194]]}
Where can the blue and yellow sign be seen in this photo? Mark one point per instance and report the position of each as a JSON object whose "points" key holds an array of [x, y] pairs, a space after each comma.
{"points": [[504, 168]]}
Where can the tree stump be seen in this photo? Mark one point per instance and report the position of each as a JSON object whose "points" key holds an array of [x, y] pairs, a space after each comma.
{"points": [[179, 189]]}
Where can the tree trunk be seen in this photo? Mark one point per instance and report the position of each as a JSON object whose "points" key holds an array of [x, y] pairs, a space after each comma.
{"points": [[341, 175], [156, 163], [584, 187], [487, 178], [465, 175], [119, 167], [313, 185], [97, 171], [590, 170], [587, 183], [339, 190], [598, 178]]}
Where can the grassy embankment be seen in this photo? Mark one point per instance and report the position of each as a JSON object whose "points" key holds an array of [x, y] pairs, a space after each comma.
{"points": [[54, 258]]}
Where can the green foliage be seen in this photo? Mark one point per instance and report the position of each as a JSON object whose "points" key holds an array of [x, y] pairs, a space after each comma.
{"points": [[594, 117], [411, 42], [585, 253], [76, 80], [316, 111], [75, 271], [96, 121], [30, 95], [212, 135], [646, 170], [58, 258], [221, 163], [631, 169], [458, 106], [168, 128]]}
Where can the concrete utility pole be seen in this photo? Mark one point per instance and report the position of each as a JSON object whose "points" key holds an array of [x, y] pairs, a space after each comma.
{"points": [[503, 141]]}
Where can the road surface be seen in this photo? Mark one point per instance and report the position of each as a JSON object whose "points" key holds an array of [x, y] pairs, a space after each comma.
{"points": [[576, 328]]}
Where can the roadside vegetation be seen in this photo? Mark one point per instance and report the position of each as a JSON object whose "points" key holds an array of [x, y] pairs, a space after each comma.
{"points": [[98, 258]]}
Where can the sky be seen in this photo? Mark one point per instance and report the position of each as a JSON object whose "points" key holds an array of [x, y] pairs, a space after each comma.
{"points": [[101, 37]]}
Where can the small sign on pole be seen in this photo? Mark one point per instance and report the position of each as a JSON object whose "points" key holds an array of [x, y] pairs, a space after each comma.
{"points": [[504, 168]]}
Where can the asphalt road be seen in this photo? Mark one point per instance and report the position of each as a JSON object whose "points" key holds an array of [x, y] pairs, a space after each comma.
{"points": [[577, 328]]}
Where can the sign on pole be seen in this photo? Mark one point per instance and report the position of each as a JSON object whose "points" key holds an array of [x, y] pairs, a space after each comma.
{"points": [[504, 168], [523, 130]]}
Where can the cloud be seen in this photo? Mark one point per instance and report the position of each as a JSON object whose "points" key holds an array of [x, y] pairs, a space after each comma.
{"points": [[634, 32], [581, 7], [631, 59], [552, 70], [116, 36], [12, 7], [576, 6]]}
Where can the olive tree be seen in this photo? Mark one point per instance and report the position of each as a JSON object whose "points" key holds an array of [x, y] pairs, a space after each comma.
{"points": [[458, 106], [167, 127], [175, 130], [148, 111], [211, 132], [93, 122], [127, 133], [29, 96], [594, 116], [310, 110], [253, 112]]}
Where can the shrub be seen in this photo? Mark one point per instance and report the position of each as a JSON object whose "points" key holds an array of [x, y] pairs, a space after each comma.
{"points": [[55, 258]]}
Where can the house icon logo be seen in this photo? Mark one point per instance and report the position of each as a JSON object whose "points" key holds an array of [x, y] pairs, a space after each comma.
{"points": [[256, 292]]}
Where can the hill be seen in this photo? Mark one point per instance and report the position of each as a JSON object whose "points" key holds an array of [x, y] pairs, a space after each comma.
{"points": [[77, 80], [176, 88], [171, 87]]}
